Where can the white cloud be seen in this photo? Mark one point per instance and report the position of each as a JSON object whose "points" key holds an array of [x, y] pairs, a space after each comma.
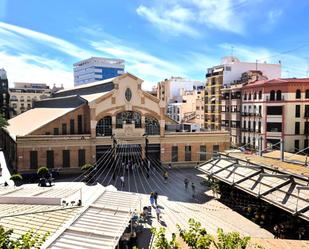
{"points": [[20, 68], [47, 40], [182, 16], [274, 15], [172, 21], [147, 66]]}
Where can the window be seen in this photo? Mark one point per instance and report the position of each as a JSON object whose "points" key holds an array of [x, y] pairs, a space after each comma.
{"points": [[272, 95], [72, 130], [128, 94], [274, 127], [249, 98], [259, 126], [298, 94], [50, 159], [64, 129], [152, 126], [104, 126], [260, 94], [56, 131], [297, 111], [306, 110], [66, 158], [245, 96], [279, 95], [297, 128], [306, 130], [254, 95], [187, 153], [174, 154], [203, 153], [296, 145], [80, 124], [215, 149], [128, 117], [81, 157], [244, 140], [274, 110], [33, 159], [307, 94], [260, 110]]}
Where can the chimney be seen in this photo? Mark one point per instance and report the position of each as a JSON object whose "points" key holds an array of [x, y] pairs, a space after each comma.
{"points": [[281, 149]]}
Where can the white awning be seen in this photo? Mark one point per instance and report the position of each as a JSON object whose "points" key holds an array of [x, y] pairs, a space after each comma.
{"points": [[217, 70]]}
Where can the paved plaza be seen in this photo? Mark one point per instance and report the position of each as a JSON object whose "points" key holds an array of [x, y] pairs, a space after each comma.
{"points": [[177, 203]]}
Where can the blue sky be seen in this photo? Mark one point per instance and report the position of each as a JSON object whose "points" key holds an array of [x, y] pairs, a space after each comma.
{"points": [[40, 40]]}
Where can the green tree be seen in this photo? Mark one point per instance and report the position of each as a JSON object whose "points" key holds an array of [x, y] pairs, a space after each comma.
{"points": [[3, 121], [28, 240], [42, 171], [195, 237], [87, 166], [231, 240], [16, 178], [161, 242]]}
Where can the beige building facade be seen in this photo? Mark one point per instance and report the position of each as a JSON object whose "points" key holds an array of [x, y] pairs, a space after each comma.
{"points": [[79, 125]]}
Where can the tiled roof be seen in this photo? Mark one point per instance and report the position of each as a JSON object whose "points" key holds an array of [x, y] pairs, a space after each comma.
{"points": [[33, 119], [277, 81]]}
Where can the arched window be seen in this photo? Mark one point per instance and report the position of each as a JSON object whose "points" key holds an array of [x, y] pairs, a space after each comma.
{"points": [[298, 94], [272, 95], [307, 94], [245, 96], [13, 98], [152, 126], [128, 117], [104, 127], [260, 94], [278, 95]]}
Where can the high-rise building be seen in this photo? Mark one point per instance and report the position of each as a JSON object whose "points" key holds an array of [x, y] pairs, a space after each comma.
{"points": [[4, 94], [229, 71], [96, 69]]}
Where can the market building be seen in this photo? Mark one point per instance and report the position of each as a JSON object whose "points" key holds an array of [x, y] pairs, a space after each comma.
{"points": [[78, 125]]}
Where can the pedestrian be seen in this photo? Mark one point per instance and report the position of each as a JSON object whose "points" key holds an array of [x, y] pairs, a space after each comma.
{"points": [[152, 200], [155, 195], [122, 181], [169, 166], [193, 190], [147, 175], [276, 231], [127, 167], [186, 181], [165, 175], [148, 165], [158, 212]]}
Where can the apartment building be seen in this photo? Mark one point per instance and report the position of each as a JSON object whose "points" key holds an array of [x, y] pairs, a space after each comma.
{"points": [[188, 107], [268, 111], [4, 94], [232, 103], [24, 94], [229, 72]]}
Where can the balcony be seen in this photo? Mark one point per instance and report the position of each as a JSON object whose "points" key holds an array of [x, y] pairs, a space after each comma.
{"points": [[245, 114]]}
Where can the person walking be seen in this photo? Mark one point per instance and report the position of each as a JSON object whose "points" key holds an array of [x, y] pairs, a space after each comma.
{"points": [[193, 189], [158, 212], [152, 200], [186, 181], [165, 176], [155, 196], [122, 181]]}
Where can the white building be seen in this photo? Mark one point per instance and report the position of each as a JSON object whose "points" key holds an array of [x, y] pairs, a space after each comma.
{"points": [[170, 89], [97, 68], [232, 68]]}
